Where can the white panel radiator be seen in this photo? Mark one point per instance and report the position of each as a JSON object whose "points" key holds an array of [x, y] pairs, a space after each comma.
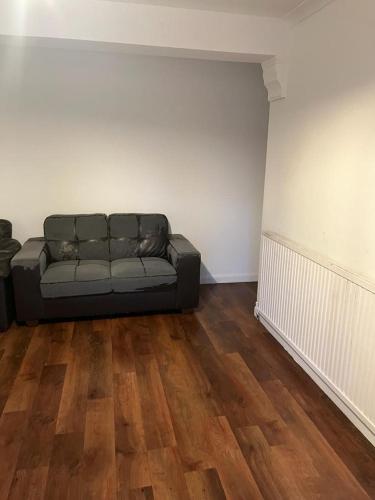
{"points": [[325, 317]]}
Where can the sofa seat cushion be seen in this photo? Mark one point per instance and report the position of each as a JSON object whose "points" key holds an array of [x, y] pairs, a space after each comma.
{"points": [[138, 275], [72, 278]]}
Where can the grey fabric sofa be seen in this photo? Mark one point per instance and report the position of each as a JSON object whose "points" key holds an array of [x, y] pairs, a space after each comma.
{"points": [[8, 248], [88, 265]]}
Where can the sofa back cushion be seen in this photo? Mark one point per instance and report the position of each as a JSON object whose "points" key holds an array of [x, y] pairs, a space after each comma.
{"points": [[137, 235], [71, 237]]}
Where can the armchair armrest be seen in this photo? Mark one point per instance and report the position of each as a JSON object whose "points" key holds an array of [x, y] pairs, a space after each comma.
{"points": [[186, 259], [8, 248], [28, 265]]}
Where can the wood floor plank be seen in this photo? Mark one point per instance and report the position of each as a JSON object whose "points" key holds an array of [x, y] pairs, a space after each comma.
{"points": [[27, 381], [10, 339], [333, 472], [259, 457], [142, 494], [179, 367], [72, 412], [38, 438], [226, 336], [15, 347], [12, 428], [100, 358], [123, 359], [140, 334], [187, 390], [229, 389], [130, 434], [194, 332], [98, 472], [204, 485], [355, 451], [133, 473], [236, 477], [213, 308], [291, 464], [204, 405], [131, 457], [158, 429], [61, 335], [29, 483], [63, 474], [168, 481]]}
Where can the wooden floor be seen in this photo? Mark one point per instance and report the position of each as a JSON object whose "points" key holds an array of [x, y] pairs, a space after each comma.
{"points": [[201, 406]]}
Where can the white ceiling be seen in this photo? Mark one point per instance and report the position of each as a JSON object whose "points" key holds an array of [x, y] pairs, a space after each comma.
{"points": [[271, 8]]}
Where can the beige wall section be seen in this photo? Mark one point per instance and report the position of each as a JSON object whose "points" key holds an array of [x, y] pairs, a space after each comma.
{"points": [[320, 175], [86, 132]]}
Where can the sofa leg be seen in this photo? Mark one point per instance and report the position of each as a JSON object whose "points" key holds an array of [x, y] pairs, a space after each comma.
{"points": [[33, 322]]}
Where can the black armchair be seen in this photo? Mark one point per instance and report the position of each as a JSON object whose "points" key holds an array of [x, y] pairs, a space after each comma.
{"points": [[8, 248]]}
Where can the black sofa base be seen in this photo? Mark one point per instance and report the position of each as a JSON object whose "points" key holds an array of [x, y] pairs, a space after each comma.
{"points": [[6, 303], [103, 305]]}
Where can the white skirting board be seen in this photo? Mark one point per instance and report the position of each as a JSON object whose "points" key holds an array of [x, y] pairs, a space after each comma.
{"points": [[207, 279], [324, 317]]}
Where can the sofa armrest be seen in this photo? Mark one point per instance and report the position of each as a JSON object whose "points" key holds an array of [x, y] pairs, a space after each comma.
{"points": [[31, 256], [186, 259], [28, 265]]}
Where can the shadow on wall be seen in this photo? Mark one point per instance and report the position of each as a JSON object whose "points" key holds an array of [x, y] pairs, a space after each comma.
{"points": [[206, 276]]}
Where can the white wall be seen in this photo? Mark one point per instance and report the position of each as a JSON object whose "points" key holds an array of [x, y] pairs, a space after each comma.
{"points": [[85, 132], [320, 176]]}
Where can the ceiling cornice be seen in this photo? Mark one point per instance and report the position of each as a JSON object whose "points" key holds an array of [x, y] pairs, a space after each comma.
{"points": [[275, 72], [306, 9]]}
